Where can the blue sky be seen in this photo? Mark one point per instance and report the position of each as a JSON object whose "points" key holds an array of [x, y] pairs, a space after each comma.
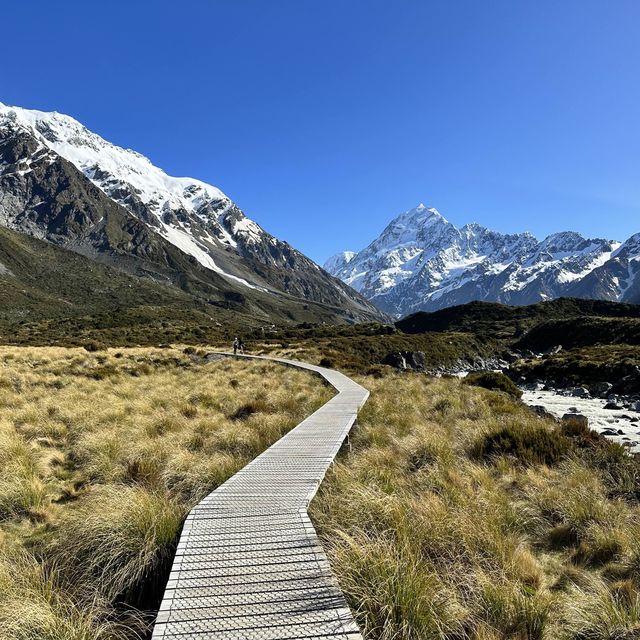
{"points": [[323, 119]]}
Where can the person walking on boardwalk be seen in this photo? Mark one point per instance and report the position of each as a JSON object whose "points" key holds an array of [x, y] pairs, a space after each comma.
{"points": [[241, 346], [236, 344]]}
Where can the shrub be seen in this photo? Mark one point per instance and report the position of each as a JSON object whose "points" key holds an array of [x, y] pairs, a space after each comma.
{"points": [[103, 372], [377, 371], [598, 548], [249, 408], [561, 536], [189, 410], [529, 444], [94, 345], [494, 381], [328, 363], [443, 406], [577, 429], [619, 471]]}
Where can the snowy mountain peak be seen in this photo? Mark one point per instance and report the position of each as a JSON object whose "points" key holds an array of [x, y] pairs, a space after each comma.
{"points": [[339, 261], [420, 215], [563, 241], [631, 246], [193, 215], [423, 262], [51, 162], [412, 227], [107, 163]]}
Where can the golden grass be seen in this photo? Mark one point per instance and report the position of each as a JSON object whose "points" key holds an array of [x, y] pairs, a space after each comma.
{"points": [[433, 534], [101, 457], [429, 541], [34, 607]]}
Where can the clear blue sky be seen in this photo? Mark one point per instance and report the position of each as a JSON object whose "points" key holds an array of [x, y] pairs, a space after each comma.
{"points": [[323, 119]]}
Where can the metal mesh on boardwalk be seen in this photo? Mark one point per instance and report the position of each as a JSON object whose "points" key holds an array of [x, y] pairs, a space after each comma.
{"points": [[249, 565]]}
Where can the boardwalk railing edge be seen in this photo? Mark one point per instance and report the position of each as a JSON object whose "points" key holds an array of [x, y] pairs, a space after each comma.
{"points": [[249, 564]]}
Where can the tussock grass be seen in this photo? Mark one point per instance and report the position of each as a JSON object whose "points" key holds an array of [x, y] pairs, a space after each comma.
{"points": [[121, 539], [528, 443], [494, 381], [430, 540], [33, 606], [102, 454], [22, 490]]}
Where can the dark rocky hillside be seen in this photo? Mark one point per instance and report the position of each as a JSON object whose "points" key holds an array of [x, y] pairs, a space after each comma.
{"points": [[513, 322], [581, 341]]}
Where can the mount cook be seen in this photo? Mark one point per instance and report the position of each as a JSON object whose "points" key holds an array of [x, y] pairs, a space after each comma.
{"points": [[422, 262]]}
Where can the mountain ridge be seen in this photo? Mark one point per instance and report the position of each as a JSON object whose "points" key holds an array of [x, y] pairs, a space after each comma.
{"points": [[422, 262], [65, 184]]}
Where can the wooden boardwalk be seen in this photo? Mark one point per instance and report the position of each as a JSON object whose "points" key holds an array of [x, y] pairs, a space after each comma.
{"points": [[249, 565]]}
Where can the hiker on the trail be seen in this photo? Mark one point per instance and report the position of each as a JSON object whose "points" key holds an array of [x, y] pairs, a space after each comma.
{"points": [[236, 344], [241, 345]]}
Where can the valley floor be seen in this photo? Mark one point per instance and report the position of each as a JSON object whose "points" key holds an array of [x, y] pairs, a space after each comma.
{"points": [[457, 514]]}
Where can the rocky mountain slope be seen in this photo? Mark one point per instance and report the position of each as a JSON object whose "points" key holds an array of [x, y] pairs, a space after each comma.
{"points": [[50, 295], [423, 262], [62, 183], [39, 280]]}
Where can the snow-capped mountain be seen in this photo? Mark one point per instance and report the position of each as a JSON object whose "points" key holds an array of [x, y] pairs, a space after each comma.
{"points": [[339, 261], [423, 262], [197, 219]]}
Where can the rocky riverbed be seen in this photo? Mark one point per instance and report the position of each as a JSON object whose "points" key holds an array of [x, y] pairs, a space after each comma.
{"points": [[615, 417], [620, 424]]}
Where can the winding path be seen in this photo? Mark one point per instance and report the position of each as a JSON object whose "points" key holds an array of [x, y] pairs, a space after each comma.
{"points": [[249, 565]]}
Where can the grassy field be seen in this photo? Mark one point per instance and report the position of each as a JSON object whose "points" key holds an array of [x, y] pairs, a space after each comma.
{"points": [[459, 514], [101, 456], [356, 348]]}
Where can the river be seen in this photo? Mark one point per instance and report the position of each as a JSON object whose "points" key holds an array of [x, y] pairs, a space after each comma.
{"points": [[600, 419]]}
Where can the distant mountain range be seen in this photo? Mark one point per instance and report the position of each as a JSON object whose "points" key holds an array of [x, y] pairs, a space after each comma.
{"points": [[63, 184], [422, 262]]}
